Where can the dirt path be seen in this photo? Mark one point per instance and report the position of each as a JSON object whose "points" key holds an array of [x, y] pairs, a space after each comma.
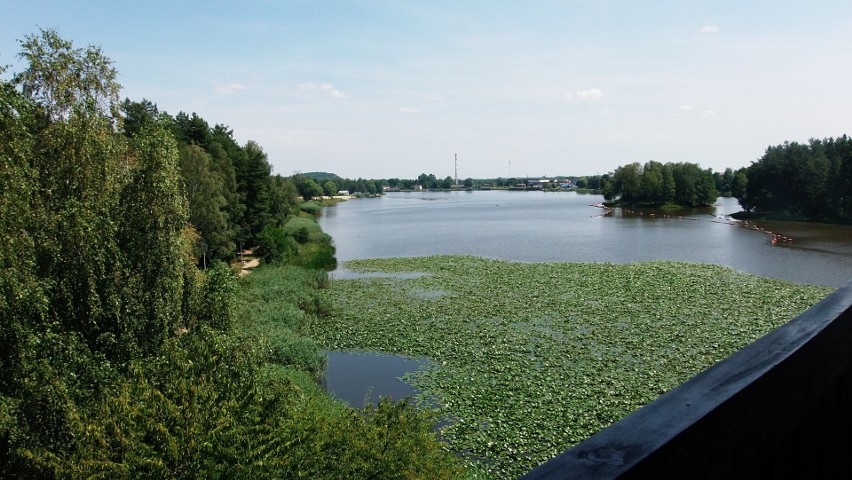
{"points": [[247, 263]]}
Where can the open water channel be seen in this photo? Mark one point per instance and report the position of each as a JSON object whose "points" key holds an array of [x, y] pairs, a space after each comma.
{"points": [[560, 227]]}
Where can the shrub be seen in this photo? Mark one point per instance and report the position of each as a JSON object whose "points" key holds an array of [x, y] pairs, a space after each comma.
{"points": [[313, 208], [276, 245]]}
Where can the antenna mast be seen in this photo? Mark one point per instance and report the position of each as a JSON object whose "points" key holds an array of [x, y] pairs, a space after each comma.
{"points": [[457, 168]]}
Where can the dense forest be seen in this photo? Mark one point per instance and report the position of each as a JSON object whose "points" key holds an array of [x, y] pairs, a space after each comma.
{"points": [[654, 183], [130, 349], [810, 181]]}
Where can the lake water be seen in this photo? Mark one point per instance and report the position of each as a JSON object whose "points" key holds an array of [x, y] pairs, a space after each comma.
{"points": [[377, 375], [565, 227]]}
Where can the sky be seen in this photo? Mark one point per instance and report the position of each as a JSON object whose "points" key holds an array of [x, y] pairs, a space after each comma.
{"points": [[393, 89]]}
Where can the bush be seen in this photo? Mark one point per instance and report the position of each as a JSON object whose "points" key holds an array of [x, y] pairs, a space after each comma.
{"points": [[303, 353], [313, 208], [276, 245], [219, 294]]}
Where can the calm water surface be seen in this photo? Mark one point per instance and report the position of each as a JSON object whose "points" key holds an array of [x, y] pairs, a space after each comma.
{"points": [[563, 227], [559, 227], [363, 377]]}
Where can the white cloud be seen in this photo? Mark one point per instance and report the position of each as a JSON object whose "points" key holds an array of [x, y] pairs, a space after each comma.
{"points": [[591, 94], [229, 88], [685, 108], [709, 113], [409, 110], [322, 87], [709, 29]]}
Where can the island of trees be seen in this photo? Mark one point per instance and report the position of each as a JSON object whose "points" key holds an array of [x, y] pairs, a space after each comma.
{"points": [[654, 183]]}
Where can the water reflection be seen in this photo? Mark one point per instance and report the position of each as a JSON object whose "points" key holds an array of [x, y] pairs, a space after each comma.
{"points": [[358, 377], [565, 227], [344, 274]]}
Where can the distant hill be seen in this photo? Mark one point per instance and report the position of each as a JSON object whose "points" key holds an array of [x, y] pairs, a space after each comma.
{"points": [[321, 176]]}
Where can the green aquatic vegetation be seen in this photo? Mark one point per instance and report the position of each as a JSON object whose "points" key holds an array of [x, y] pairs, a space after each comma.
{"points": [[531, 358]]}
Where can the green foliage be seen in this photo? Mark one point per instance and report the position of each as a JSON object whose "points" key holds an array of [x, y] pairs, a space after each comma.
{"points": [[149, 233], [65, 80], [530, 359], [390, 441], [327, 440], [808, 181], [120, 359], [725, 182], [255, 182], [137, 115], [329, 188], [684, 184], [296, 225], [312, 208], [308, 187], [319, 255], [277, 304], [218, 297], [206, 201], [316, 248], [362, 186], [321, 177], [276, 245]]}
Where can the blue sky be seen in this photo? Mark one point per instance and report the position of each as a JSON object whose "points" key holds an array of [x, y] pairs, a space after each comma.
{"points": [[381, 89]]}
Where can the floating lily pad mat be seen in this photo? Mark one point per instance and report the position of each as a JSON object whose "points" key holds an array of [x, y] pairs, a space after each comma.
{"points": [[528, 359]]}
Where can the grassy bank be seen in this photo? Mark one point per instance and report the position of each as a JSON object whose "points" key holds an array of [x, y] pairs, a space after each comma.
{"points": [[532, 358], [316, 436]]}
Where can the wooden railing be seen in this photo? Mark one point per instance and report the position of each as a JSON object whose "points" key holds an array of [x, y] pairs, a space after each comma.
{"points": [[779, 408]]}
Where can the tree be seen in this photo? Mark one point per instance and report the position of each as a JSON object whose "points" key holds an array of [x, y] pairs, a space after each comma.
{"points": [[79, 167], [154, 213], [62, 79], [308, 188], [204, 194], [254, 182], [427, 181], [808, 181], [137, 115], [329, 188], [23, 298], [191, 129], [724, 181], [93, 274], [694, 187], [284, 199], [224, 153], [682, 183], [625, 183]]}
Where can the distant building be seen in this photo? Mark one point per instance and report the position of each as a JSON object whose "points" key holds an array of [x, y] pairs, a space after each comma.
{"points": [[343, 193], [540, 183]]}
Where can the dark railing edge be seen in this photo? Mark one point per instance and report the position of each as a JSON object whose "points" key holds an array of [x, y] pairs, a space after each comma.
{"points": [[808, 354]]}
